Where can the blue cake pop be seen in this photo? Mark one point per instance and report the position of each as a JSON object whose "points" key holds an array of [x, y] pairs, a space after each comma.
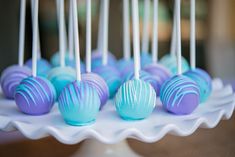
{"points": [[125, 67], [111, 76], [96, 58], [43, 66], [145, 76], [55, 61], [145, 59], [135, 100], [60, 77], [170, 62], [79, 103]]}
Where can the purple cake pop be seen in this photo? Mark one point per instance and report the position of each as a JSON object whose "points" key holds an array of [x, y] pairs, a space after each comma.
{"points": [[159, 73], [11, 78], [35, 96], [99, 84]]}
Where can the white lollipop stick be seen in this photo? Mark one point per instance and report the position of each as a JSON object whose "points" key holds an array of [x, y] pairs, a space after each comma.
{"points": [[76, 40], [105, 32], [178, 35], [136, 37], [35, 38], [22, 33], [39, 44], [173, 38], [71, 42], [145, 33], [192, 35], [155, 32], [100, 31], [61, 32], [126, 31], [88, 36]]}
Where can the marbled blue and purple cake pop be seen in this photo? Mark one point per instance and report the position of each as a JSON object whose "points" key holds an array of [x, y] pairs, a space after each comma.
{"points": [[11, 78], [60, 77], [135, 100], [43, 66], [145, 76], [203, 80], [79, 103], [55, 61], [170, 62], [111, 76], [180, 95], [35, 96], [96, 58], [99, 84], [159, 73], [125, 67]]}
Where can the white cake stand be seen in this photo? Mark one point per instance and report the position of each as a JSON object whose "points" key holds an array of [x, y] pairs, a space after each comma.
{"points": [[107, 136]]}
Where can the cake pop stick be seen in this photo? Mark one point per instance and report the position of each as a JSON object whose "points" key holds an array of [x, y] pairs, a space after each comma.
{"points": [[173, 38], [100, 31], [88, 36], [192, 35], [155, 32], [105, 33], [22, 32], [145, 33], [126, 31], [178, 38], [71, 42], [136, 38]]}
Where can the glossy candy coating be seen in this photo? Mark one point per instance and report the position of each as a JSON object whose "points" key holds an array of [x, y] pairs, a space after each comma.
{"points": [[35, 96], [135, 100], [79, 103]]}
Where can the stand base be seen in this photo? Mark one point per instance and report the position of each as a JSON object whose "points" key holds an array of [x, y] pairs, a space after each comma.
{"points": [[93, 148]]}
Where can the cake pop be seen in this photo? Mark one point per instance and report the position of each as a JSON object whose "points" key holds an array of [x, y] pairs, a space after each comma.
{"points": [[13, 75], [201, 77], [63, 75], [179, 94], [145, 56], [126, 64], [109, 73], [91, 78], [43, 65], [135, 98], [79, 102], [35, 95], [170, 60], [157, 71]]}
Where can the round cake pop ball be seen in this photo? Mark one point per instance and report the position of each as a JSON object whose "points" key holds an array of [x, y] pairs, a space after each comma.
{"points": [[145, 76], [145, 59], [159, 73], [43, 66], [203, 81], [111, 76], [60, 77], [99, 84], [35, 96], [180, 95], [170, 62], [135, 100], [11, 78], [125, 67], [96, 58], [79, 103], [55, 61]]}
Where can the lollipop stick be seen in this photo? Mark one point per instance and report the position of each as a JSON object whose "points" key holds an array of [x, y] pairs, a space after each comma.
{"points": [[88, 36], [136, 37], [100, 31], [35, 38], [39, 44], [76, 40], [145, 33], [71, 42], [61, 32], [178, 34], [22, 33], [126, 31], [192, 35], [173, 38], [105, 32], [155, 32]]}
